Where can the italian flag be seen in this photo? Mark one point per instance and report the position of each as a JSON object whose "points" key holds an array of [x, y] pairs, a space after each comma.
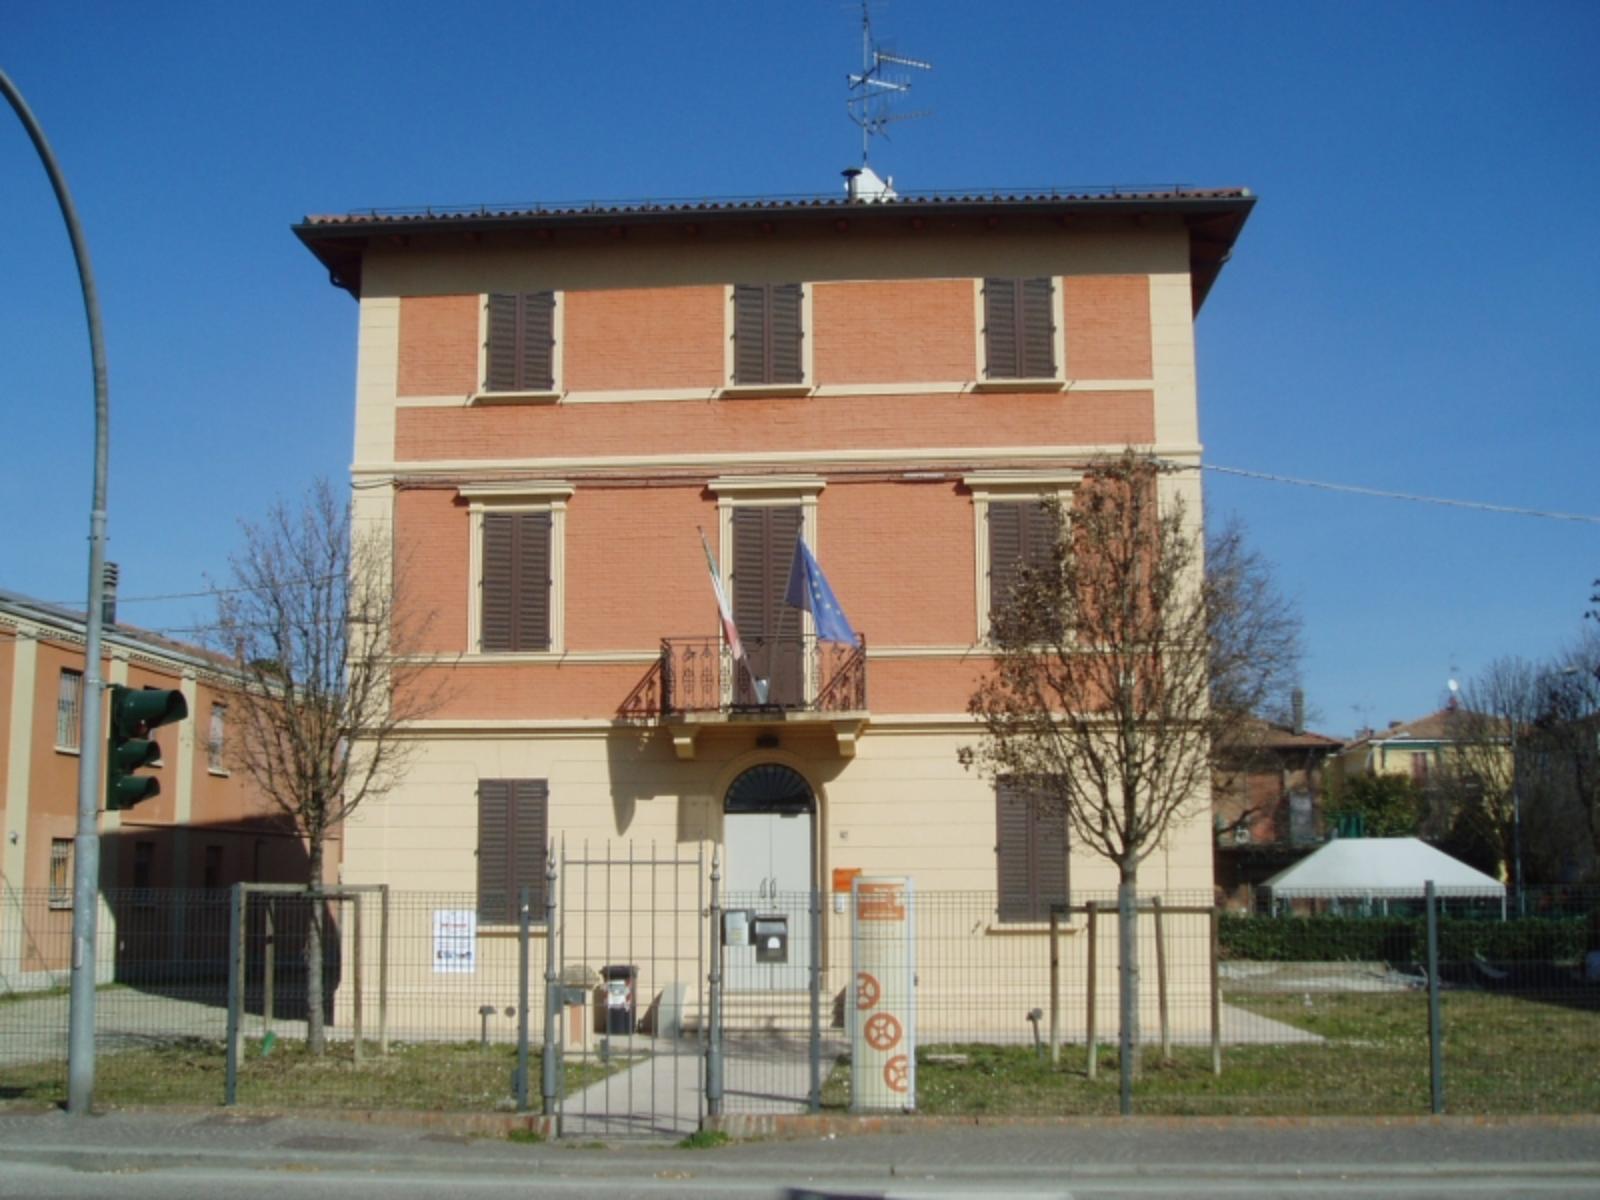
{"points": [[730, 631]]}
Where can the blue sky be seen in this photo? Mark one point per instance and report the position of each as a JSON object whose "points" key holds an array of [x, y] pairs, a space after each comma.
{"points": [[1414, 306]]}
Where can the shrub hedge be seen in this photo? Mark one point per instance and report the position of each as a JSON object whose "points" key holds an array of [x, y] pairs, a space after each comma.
{"points": [[1400, 939]]}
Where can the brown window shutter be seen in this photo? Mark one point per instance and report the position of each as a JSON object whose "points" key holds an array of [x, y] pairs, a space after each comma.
{"points": [[1037, 328], [521, 350], [1049, 855], [1019, 329], [1021, 533], [530, 827], [1031, 852], [494, 851], [767, 333], [501, 356], [513, 832], [536, 349], [516, 582], [498, 592], [763, 551], [1011, 853], [1000, 300], [533, 582], [784, 334], [749, 333]]}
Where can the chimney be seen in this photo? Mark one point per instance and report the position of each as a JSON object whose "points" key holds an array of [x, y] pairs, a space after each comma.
{"points": [[862, 185], [108, 594], [1297, 707]]}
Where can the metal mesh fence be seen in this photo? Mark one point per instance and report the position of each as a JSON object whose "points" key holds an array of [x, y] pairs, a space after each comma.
{"points": [[1314, 1012]]}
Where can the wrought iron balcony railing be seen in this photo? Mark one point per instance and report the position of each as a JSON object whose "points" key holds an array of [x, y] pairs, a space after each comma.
{"points": [[793, 674]]}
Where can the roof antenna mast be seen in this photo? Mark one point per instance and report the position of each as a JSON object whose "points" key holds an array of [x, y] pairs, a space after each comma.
{"points": [[883, 79]]}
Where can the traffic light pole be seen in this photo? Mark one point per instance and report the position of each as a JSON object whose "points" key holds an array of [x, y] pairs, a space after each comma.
{"points": [[86, 849]]}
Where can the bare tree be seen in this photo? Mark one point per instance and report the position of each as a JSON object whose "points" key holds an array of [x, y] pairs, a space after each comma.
{"points": [[1117, 666], [325, 688], [1560, 763], [1475, 795]]}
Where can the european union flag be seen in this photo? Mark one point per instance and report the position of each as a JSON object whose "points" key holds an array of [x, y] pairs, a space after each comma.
{"points": [[808, 589]]}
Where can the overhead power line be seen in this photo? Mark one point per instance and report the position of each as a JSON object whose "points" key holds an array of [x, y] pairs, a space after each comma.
{"points": [[1386, 494]]}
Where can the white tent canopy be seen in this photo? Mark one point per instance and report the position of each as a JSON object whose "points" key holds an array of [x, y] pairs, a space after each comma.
{"points": [[1389, 867]]}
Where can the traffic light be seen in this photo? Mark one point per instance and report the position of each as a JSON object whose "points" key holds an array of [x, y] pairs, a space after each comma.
{"points": [[133, 715]]}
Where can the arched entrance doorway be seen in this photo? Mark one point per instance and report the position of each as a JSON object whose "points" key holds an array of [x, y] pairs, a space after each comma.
{"points": [[768, 813]]}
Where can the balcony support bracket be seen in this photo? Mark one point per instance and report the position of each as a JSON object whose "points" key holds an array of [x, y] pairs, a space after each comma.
{"points": [[846, 733], [683, 740]]}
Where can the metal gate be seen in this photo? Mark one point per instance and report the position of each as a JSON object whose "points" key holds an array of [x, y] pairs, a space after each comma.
{"points": [[627, 969], [767, 1038]]}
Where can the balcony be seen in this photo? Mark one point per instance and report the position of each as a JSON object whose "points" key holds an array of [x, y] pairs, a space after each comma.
{"points": [[698, 683]]}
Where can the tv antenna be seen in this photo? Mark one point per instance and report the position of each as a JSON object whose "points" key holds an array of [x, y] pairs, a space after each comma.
{"points": [[884, 78]]}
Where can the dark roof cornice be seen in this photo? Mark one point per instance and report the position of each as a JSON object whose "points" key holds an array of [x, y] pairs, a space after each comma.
{"points": [[1213, 216]]}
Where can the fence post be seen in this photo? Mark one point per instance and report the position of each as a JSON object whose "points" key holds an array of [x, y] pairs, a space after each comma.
{"points": [[383, 969], [1055, 986], [230, 1083], [816, 999], [355, 1000], [270, 967], [1435, 1028], [714, 988], [1161, 979], [1093, 1035], [1216, 992], [550, 1075], [524, 933]]}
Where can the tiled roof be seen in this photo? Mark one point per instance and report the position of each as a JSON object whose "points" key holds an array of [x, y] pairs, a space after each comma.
{"points": [[72, 621], [767, 204], [1441, 726]]}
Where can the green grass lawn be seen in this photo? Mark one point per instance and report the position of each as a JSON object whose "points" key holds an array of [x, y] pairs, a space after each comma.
{"points": [[1502, 1055], [456, 1076]]}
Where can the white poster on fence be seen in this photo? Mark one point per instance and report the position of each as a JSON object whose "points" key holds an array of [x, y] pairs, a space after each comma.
{"points": [[455, 941], [883, 1043]]}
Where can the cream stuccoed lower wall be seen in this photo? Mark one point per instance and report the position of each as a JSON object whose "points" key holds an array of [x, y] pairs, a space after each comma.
{"points": [[903, 804]]}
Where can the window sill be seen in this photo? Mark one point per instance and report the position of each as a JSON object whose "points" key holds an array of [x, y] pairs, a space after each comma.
{"points": [[72, 750], [1020, 385], [478, 399], [1030, 928], [60, 905], [740, 391], [513, 656], [219, 773]]}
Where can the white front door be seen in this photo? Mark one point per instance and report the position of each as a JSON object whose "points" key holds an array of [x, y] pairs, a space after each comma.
{"points": [[768, 857]]}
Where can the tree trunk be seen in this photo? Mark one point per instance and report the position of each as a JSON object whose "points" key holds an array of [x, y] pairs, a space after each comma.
{"points": [[315, 1041], [1128, 981]]}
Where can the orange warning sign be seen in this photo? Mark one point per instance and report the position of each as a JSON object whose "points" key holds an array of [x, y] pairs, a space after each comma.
{"points": [[843, 877], [880, 902]]}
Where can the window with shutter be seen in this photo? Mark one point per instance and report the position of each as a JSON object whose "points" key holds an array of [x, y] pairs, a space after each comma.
{"points": [[513, 834], [1019, 328], [519, 354], [768, 339], [1021, 533], [1030, 852], [515, 608], [769, 627]]}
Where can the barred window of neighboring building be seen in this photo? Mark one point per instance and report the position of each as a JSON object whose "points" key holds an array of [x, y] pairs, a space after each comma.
{"points": [[60, 872], [69, 710], [215, 735]]}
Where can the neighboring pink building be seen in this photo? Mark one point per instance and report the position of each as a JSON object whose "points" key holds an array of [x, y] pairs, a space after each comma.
{"points": [[208, 828]]}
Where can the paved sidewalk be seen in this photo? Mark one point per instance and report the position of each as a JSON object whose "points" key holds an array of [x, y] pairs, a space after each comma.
{"points": [[1064, 1150]]}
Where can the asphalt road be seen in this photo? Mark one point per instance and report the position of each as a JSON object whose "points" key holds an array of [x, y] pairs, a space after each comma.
{"points": [[135, 1156]]}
